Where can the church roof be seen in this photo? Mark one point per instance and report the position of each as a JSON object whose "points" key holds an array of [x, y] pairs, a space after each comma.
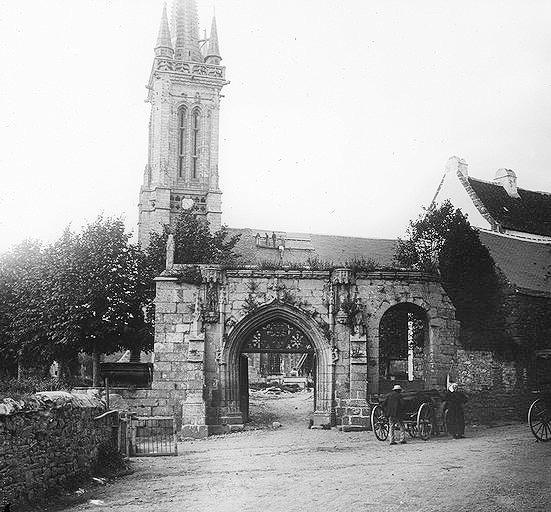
{"points": [[531, 213], [525, 264], [260, 245]]}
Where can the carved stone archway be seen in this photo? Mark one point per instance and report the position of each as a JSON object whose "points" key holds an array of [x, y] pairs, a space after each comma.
{"points": [[240, 333]]}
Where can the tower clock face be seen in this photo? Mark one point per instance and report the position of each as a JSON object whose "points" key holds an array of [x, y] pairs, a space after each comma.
{"points": [[187, 203]]}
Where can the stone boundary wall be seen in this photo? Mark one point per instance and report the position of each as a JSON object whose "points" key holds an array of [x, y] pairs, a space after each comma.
{"points": [[497, 390], [48, 441]]}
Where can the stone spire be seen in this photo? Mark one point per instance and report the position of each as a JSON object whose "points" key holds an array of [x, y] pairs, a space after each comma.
{"points": [[186, 28], [164, 42], [213, 52]]}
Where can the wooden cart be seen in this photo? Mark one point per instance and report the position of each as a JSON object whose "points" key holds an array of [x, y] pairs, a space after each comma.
{"points": [[419, 418]]}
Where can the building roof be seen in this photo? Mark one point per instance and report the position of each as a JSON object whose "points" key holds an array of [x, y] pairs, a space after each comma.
{"points": [[260, 245], [531, 213], [525, 264]]}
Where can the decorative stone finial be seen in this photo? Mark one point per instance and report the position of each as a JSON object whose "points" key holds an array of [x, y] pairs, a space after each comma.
{"points": [[164, 42]]}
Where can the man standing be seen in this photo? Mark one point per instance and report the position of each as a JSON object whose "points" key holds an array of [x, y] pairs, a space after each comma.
{"points": [[393, 406]]}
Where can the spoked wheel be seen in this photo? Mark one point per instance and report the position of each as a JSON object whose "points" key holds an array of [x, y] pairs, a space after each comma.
{"points": [[379, 423], [539, 419], [424, 422], [411, 429]]}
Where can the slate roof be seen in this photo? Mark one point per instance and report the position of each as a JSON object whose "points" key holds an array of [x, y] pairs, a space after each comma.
{"points": [[530, 214], [299, 247], [525, 264]]}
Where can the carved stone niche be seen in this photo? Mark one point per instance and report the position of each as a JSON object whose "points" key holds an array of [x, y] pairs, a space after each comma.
{"points": [[211, 274], [342, 276], [196, 351], [212, 280], [358, 349]]}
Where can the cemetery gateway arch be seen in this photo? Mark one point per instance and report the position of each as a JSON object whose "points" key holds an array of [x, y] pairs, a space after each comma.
{"points": [[249, 335], [204, 325]]}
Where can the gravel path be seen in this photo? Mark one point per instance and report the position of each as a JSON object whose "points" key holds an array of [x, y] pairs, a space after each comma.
{"points": [[296, 469]]}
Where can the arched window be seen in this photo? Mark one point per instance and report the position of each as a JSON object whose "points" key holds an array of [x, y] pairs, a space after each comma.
{"points": [[195, 143], [181, 141]]}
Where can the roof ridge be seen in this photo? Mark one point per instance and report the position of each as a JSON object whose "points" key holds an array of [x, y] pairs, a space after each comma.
{"points": [[314, 234], [518, 188]]}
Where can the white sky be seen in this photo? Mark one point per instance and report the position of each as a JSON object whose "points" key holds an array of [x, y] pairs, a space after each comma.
{"points": [[339, 118]]}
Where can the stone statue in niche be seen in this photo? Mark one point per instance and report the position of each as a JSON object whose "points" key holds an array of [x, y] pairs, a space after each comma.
{"points": [[334, 354], [212, 303], [197, 322]]}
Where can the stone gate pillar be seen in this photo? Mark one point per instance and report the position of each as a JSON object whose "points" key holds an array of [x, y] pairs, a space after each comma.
{"points": [[194, 417]]}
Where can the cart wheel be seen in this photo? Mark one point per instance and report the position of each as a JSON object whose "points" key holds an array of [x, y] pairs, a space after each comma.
{"points": [[379, 423], [424, 422], [411, 429], [539, 419]]}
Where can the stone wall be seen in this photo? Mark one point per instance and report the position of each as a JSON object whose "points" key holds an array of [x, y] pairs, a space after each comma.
{"points": [[497, 390], [48, 441]]}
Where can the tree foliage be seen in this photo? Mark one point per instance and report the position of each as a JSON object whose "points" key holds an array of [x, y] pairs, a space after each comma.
{"points": [[99, 285], [194, 243], [442, 241], [21, 306], [86, 292]]}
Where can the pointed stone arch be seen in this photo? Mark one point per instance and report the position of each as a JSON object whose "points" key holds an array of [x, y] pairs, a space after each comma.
{"points": [[239, 333]]}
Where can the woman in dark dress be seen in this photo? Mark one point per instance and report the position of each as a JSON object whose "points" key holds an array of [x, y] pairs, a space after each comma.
{"points": [[455, 419]]}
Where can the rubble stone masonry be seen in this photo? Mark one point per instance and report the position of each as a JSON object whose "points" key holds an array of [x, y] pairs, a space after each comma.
{"points": [[47, 442]]}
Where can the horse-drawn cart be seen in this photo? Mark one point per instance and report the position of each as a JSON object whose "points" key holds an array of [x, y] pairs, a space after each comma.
{"points": [[539, 416], [419, 418]]}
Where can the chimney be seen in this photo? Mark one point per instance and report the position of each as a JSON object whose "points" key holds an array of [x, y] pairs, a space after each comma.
{"points": [[508, 180], [457, 166]]}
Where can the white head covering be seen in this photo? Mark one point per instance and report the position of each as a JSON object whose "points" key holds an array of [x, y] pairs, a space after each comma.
{"points": [[397, 387], [453, 386]]}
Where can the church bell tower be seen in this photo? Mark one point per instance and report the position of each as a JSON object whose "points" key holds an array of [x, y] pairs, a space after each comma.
{"points": [[184, 91]]}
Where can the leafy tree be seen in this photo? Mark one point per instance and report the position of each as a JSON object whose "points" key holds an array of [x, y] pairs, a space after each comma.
{"points": [[426, 236], [194, 243], [442, 241], [98, 289], [22, 338]]}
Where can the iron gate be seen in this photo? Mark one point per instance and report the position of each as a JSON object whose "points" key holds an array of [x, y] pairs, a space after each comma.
{"points": [[151, 436]]}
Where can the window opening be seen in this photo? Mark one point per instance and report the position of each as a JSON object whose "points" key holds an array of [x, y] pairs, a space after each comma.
{"points": [[181, 141]]}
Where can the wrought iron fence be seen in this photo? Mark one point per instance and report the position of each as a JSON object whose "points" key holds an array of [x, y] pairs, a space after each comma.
{"points": [[139, 436], [151, 436]]}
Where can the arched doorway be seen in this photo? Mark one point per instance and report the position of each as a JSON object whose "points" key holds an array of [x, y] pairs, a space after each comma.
{"points": [[403, 346], [276, 328], [277, 351]]}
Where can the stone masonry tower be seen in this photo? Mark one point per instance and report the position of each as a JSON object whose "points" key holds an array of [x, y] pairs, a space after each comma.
{"points": [[184, 92]]}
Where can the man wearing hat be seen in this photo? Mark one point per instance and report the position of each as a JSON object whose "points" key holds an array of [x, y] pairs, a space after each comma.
{"points": [[393, 406]]}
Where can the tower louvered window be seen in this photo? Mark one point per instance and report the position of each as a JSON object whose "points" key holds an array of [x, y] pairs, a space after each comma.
{"points": [[181, 141], [195, 144]]}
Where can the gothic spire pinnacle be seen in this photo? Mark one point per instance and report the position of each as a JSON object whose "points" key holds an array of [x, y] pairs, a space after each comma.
{"points": [[164, 42], [186, 28], [213, 52]]}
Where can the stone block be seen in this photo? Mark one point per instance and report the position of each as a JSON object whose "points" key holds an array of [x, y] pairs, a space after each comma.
{"points": [[174, 338], [194, 431], [162, 411], [165, 307]]}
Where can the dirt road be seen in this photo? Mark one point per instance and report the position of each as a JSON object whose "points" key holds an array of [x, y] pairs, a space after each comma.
{"points": [[296, 469]]}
